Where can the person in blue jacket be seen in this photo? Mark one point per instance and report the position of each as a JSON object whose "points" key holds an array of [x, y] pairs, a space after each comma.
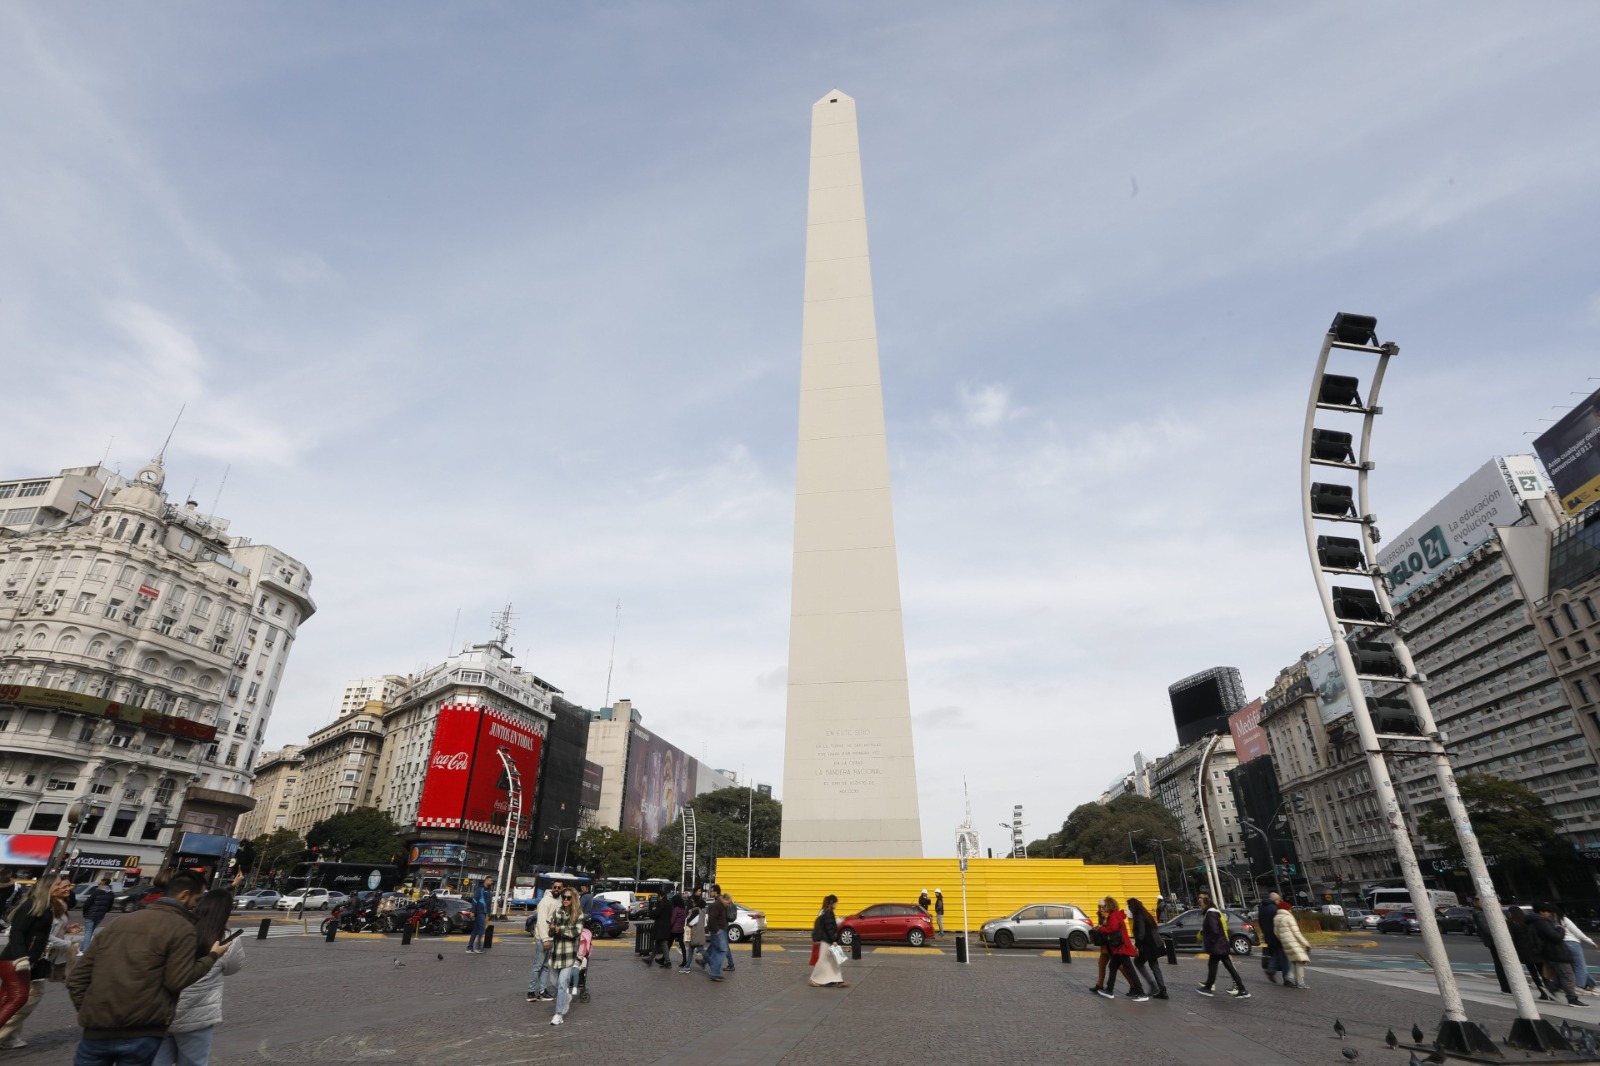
{"points": [[479, 898]]}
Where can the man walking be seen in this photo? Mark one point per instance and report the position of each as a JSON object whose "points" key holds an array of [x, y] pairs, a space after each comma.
{"points": [[1481, 925], [717, 953], [480, 915], [1273, 958], [541, 976], [126, 988], [1552, 952], [96, 905], [938, 909]]}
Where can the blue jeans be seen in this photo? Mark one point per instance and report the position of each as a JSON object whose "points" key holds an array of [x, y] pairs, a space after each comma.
{"points": [[1580, 965], [475, 939], [566, 981], [539, 977], [185, 1049], [136, 1051], [717, 953], [88, 934]]}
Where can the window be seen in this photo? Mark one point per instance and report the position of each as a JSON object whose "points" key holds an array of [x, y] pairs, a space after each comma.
{"points": [[21, 516], [164, 626], [47, 817], [163, 795], [84, 602], [32, 488], [8, 491], [152, 827], [1583, 646], [122, 824], [125, 578], [8, 811], [1566, 656], [1588, 605], [1555, 630], [1583, 691], [100, 570], [113, 607], [202, 607], [70, 567], [1572, 619], [122, 527], [253, 691], [149, 666]]}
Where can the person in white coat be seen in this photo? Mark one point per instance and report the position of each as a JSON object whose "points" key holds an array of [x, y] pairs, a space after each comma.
{"points": [[1575, 939], [1296, 948], [188, 1040]]}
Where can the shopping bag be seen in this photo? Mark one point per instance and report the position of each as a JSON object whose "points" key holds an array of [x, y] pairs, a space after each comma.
{"points": [[838, 953]]}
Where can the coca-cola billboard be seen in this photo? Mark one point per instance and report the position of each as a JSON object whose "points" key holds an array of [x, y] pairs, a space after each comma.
{"points": [[466, 786]]}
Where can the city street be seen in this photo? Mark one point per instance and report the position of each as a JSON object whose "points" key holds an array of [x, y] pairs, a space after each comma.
{"points": [[300, 1000]]}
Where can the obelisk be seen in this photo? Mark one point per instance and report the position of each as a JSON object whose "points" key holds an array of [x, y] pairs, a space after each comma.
{"points": [[849, 772]]}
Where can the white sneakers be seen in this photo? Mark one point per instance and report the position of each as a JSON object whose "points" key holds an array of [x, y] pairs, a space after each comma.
{"points": [[556, 1020]]}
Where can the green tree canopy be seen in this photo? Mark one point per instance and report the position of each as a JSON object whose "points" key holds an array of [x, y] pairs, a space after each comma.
{"points": [[606, 852], [1099, 834], [267, 851], [722, 820], [364, 834], [1515, 831]]}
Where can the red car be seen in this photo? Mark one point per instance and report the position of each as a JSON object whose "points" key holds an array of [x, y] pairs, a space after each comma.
{"points": [[888, 921]]}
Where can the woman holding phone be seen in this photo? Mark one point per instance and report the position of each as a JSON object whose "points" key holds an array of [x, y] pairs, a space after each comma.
{"points": [[188, 1041]]}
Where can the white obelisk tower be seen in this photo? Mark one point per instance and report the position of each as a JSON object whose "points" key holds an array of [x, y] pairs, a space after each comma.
{"points": [[849, 772]]}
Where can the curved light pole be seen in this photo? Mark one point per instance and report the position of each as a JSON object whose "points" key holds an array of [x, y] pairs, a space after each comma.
{"points": [[1358, 613]]}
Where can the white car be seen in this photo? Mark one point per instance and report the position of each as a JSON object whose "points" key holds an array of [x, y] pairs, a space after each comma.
{"points": [[311, 899], [261, 898], [746, 923]]}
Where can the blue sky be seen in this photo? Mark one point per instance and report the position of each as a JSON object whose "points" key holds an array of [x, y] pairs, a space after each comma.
{"points": [[488, 302]]}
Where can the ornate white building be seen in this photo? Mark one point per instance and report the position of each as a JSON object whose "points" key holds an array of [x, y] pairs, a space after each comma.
{"points": [[141, 650]]}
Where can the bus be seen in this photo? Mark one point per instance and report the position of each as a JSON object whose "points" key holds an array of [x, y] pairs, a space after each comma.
{"points": [[346, 877], [527, 888], [1385, 900]]}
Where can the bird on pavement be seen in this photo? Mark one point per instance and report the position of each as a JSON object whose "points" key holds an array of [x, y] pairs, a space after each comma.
{"points": [[1566, 1030], [1338, 1027], [1416, 1032], [1413, 1060], [1392, 1040], [1350, 1053], [441, 958], [398, 964]]}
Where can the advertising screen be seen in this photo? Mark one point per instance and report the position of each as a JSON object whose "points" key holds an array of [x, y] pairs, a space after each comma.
{"points": [[489, 794], [660, 780], [594, 779], [1333, 700], [1249, 739], [1570, 453], [444, 789], [1451, 528], [26, 849]]}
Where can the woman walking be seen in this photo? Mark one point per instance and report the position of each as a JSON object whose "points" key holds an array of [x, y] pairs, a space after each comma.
{"points": [[188, 1040], [1293, 943], [694, 922], [1147, 941], [1105, 953], [1214, 941], [1527, 946], [824, 937], [566, 925], [38, 928], [1118, 941], [661, 931], [1575, 940], [680, 916]]}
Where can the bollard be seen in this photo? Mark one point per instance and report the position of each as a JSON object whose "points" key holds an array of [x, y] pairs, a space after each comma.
{"points": [[488, 937], [266, 923], [641, 940], [755, 946], [1172, 952], [961, 947], [333, 930], [407, 931], [855, 947], [1066, 951]]}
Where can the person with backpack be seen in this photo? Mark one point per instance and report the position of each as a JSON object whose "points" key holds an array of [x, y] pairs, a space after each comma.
{"points": [[1147, 940], [1119, 944], [1292, 943], [694, 922], [1214, 942]]}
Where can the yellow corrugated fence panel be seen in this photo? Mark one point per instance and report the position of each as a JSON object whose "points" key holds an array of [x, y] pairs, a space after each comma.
{"points": [[790, 891]]}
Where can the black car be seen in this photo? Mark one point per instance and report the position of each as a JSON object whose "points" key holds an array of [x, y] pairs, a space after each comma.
{"points": [[1404, 922], [1457, 920], [1183, 932]]}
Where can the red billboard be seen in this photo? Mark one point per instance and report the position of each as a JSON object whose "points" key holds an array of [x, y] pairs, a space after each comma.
{"points": [[1249, 739], [466, 786]]}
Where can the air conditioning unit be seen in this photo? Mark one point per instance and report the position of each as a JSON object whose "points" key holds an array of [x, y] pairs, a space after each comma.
{"points": [[119, 741], [11, 581], [50, 609], [43, 580]]}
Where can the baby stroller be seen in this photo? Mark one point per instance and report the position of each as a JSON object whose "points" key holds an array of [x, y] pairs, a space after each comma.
{"points": [[585, 941]]}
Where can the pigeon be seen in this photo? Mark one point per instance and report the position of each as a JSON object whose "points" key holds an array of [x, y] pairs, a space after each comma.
{"points": [[441, 958], [1392, 1040], [1338, 1027], [1350, 1053], [1416, 1032], [398, 964], [1566, 1030], [1413, 1060]]}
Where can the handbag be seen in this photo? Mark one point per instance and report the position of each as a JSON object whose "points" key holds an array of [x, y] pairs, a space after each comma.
{"points": [[838, 953]]}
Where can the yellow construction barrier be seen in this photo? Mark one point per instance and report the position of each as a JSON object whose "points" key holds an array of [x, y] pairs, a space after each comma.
{"points": [[790, 891]]}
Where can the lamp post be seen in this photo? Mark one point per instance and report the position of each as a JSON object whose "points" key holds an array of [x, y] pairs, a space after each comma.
{"points": [[560, 830], [1161, 845], [1131, 834], [1257, 830]]}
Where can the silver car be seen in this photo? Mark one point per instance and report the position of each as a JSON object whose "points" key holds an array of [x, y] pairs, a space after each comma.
{"points": [[746, 923], [1040, 923]]}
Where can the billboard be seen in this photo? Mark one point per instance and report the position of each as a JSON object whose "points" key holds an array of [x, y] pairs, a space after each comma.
{"points": [[1333, 701], [1201, 703], [465, 786], [26, 849], [1249, 739], [81, 703], [1570, 453], [660, 780], [594, 779], [1452, 527]]}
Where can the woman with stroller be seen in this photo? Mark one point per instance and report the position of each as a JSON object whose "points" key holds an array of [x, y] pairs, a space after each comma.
{"points": [[566, 926]]}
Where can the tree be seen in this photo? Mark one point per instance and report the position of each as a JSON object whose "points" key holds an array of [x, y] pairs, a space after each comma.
{"points": [[723, 819], [1099, 833], [364, 834], [265, 851], [1515, 831], [606, 852]]}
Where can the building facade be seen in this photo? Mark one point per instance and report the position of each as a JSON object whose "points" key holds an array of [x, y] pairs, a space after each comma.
{"points": [[1175, 784], [366, 690], [339, 768], [645, 780], [141, 650], [275, 790]]}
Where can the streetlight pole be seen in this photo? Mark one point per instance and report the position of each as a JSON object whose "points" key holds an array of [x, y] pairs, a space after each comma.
{"points": [[1276, 883], [1131, 834], [1161, 845]]}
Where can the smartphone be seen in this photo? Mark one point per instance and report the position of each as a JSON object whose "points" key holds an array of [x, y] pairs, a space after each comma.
{"points": [[231, 937]]}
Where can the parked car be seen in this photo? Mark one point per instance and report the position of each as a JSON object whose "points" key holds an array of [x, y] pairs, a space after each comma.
{"points": [[746, 923], [1399, 922], [311, 899], [1457, 920], [605, 918], [888, 921], [1039, 923], [265, 898], [1183, 931], [1355, 918], [337, 898]]}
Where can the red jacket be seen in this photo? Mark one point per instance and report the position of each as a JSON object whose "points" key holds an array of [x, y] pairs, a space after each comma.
{"points": [[1117, 922]]}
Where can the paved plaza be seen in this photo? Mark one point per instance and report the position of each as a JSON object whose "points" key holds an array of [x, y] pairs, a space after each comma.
{"points": [[300, 1000]]}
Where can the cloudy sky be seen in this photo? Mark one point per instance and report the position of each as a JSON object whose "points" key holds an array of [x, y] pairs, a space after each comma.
{"points": [[501, 302]]}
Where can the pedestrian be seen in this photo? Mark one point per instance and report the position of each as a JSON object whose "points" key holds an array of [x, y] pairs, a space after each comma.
{"points": [[661, 932], [566, 928], [188, 1040], [1480, 924], [680, 916], [924, 902], [1118, 939], [733, 919], [1575, 940], [1527, 945], [1293, 943], [717, 954], [1147, 939], [126, 987], [585, 900], [694, 923], [479, 898], [1553, 952], [38, 926], [1214, 941], [825, 971], [96, 905], [938, 909], [1105, 952], [539, 977], [1273, 961]]}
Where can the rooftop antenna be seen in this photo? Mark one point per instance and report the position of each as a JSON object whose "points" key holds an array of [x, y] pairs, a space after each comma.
{"points": [[500, 622], [612, 664], [106, 458], [451, 650], [163, 452], [225, 472]]}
